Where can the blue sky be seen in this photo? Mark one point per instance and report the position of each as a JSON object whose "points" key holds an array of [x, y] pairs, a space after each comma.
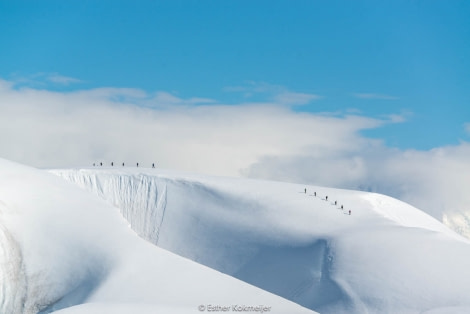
{"points": [[364, 95], [375, 58]]}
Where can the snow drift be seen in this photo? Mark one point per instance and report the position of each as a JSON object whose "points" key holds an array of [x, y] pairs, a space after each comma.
{"points": [[387, 257], [64, 249]]}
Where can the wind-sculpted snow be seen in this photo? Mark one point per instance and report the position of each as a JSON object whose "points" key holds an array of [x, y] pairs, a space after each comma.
{"points": [[64, 249], [12, 282], [37, 273], [140, 198], [386, 257], [220, 229]]}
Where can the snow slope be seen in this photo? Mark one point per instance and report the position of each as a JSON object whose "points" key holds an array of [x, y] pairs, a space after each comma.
{"points": [[387, 257], [62, 248]]}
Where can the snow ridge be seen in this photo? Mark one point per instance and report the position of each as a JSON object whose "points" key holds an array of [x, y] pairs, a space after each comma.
{"points": [[198, 227], [298, 245], [64, 249]]}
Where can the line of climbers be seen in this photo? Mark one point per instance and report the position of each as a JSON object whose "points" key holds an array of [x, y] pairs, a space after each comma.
{"points": [[112, 164], [326, 199]]}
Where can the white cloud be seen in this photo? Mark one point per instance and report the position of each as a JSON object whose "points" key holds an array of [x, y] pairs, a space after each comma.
{"points": [[61, 129], [167, 99], [64, 129], [290, 98], [435, 181], [278, 94], [374, 96], [398, 118], [60, 79], [467, 127], [43, 79]]}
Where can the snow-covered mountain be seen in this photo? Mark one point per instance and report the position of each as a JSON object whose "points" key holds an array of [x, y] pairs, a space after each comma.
{"points": [[64, 249], [293, 241], [241, 246]]}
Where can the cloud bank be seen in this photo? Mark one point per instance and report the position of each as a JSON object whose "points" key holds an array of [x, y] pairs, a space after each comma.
{"points": [[266, 140]]}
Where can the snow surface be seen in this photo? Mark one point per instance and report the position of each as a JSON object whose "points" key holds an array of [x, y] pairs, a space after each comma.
{"points": [[64, 249], [387, 257]]}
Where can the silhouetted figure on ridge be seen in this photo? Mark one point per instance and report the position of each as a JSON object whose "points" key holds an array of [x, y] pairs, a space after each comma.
{"points": [[137, 165], [112, 164], [153, 165]]}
